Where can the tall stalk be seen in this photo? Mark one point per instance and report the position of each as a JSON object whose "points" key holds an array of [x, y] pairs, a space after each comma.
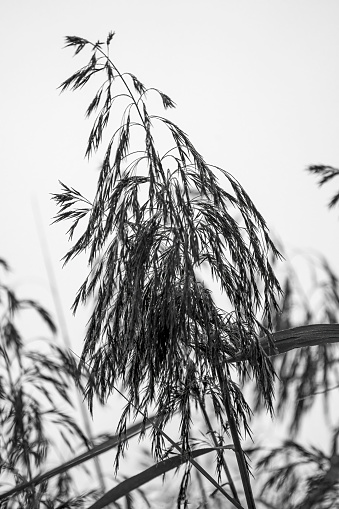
{"points": [[215, 441], [242, 465], [65, 336]]}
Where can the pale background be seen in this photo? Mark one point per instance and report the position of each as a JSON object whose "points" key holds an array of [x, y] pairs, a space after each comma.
{"points": [[257, 90]]}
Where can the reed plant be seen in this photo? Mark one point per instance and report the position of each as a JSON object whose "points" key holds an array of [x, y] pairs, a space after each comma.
{"points": [[160, 222]]}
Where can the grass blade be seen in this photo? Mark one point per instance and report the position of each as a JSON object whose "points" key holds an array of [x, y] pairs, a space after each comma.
{"points": [[125, 487], [105, 446], [298, 337]]}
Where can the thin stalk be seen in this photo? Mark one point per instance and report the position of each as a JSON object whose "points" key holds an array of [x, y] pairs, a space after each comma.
{"points": [[121, 76], [64, 331], [105, 55], [215, 441], [202, 489], [236, 441]]}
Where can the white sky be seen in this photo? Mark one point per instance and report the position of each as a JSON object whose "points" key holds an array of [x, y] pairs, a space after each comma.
{"points": [[257, 90]]}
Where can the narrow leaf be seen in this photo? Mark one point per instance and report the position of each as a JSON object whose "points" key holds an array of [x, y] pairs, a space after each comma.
{"points": [[108, 444], [125, 487], [297, 337]]}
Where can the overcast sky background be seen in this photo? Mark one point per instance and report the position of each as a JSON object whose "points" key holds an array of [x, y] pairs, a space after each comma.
{"points": [[256, 85]]}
